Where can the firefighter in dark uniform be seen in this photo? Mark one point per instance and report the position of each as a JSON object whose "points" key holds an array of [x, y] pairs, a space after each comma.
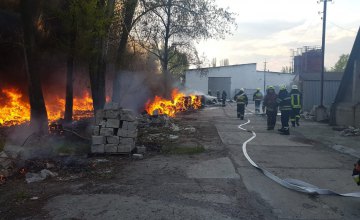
{"points": [[257, 97], [296, 100], [284, 102], [242, 101], [270, 105], [223, 98]]}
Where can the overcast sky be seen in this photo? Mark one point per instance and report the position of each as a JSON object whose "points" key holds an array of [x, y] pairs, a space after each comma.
{"points": [[269, 29]]}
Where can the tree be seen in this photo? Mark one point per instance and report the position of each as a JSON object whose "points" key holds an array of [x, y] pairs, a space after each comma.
{"points": [[286, 69], [340, 65], [29, 10], [178, 23], [126, 21]]}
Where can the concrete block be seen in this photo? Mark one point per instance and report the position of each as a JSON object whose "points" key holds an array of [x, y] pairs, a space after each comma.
{"points": [[98, 140], [98, 148], [99, 116], [122, 133], [345, 114], [102, 123], [132, 134], [129, 125], [96, 130], [112, 113], [111, 148], [126, 148], [113, 123], [107, 131], [113, 140], [124, 141], [127, 117], [320, 113], [111, 105]]}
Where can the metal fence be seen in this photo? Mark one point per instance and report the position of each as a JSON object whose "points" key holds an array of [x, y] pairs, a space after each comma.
{"points": [[311, 93]]}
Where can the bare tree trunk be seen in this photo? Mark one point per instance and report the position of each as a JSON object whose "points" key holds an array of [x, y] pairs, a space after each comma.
{"points": [[97, 66], [121, 64], [38, 117], [69, 76], [165, 65]]}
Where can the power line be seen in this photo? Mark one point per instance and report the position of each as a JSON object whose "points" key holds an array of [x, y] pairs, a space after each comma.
{"points": [[345, 29]]}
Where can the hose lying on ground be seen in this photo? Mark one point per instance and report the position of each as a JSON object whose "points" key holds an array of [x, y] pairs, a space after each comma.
{"points": [[289, 183]]}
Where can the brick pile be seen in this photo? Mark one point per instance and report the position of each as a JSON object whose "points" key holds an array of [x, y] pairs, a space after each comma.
{"points": [[115, 131]]}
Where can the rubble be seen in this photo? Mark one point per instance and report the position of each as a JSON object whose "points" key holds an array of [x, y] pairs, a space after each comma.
{"points": [[7, 166], [138, 156], [190, 129], [141, 149], [37, 177], [350, 131], [115, 130]]}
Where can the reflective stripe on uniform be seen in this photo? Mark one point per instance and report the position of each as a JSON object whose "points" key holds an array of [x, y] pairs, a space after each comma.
{"points": [[295, 101]]}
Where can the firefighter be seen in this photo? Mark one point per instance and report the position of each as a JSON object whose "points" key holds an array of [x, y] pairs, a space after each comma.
{"points": [[242, 101], [257, 97], [284, 102], [296, 100], [223, 98], [270, 105], [218, 95]]}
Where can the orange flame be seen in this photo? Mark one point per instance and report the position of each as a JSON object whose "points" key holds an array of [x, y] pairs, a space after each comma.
{"points": [[15, 110], [179, 102]]}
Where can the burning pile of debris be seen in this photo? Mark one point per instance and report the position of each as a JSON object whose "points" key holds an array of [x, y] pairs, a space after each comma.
{"points": [[179, 103], [115, 130]]}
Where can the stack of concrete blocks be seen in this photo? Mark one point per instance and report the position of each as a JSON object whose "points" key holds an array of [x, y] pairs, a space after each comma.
{"points": [[115, 131]]}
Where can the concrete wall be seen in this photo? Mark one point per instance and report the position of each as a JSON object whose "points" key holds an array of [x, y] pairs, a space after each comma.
{"points": [[348, 112], [242, 76]]}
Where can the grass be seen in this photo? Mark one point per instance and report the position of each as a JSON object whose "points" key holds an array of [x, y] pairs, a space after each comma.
{"points": [[183, 150]]}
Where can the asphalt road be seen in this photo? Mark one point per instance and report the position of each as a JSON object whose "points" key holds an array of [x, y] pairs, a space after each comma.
{"points": [[303, 155]]}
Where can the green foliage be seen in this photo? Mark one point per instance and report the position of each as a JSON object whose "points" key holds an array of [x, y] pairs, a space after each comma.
{"points": [[340, 65], [178, 63], [286, 69], [86, 19]]}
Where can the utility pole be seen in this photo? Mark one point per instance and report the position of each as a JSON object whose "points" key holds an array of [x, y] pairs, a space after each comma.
{"points": [[321, 114], [264, 76], [323, 52]]}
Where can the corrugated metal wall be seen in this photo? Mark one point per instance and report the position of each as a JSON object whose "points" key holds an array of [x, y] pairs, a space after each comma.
{"points": [[220, 84], [311, 93]]}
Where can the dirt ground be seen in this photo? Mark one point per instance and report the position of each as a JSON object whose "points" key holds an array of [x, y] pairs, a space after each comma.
{"points": [[170, 183]]}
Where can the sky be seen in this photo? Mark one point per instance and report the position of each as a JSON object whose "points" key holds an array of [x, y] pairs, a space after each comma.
{"points": [[269, 29]]}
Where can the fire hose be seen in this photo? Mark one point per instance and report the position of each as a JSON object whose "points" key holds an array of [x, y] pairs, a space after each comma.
{"points": [[293, 184]]}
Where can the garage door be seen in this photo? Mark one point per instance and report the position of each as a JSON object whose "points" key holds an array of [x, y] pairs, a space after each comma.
{"points": [[220, 84]]}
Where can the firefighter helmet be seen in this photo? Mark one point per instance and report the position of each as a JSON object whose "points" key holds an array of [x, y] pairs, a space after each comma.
{"points": [[283, 87], [294, 87]]}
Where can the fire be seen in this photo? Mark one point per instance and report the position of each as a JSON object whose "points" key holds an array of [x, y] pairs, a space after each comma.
{"points": [[179, 102], [15, 109]]}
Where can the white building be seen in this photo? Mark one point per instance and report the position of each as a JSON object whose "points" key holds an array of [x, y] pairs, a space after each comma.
{"points": [[232, 78]]}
